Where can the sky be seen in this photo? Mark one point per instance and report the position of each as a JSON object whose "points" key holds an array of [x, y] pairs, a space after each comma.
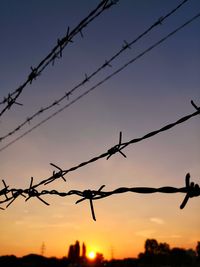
{"points": [[153, 91]]}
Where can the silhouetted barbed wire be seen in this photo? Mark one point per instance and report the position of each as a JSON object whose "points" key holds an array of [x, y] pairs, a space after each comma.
{"points": [[101, 82], [55, 53], [10, 195], [60, 173], [125, 46], [116, 148]]}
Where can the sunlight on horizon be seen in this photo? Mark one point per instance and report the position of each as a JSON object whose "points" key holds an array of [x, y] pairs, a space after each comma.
{"points": [[91, 255]]}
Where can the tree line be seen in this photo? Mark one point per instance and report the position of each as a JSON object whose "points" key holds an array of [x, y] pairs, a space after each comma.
{"points": [[158, 254], [155, 255]]}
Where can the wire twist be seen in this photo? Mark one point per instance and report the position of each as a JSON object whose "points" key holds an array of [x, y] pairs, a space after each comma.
{"points": [[116, 148], [191, 190]]}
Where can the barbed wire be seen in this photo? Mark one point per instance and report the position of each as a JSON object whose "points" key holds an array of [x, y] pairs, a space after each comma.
{"points": [[10, 195], [60, 173], [55, 53], [107, 63], [101, 82], [116, 149]]}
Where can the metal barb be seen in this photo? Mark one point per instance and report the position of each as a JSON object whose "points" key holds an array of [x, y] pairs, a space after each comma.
{"points": [[107, 63], [81, 33], [67, 94], [195, 106], [126, 45], [14, 196], [32, 192], [116, 148], [10, 101], [193, 190], [32, 76], [4, 191], [88, 194], [57, 174], [86, 79], [159, 21], [67, 37], [60, 44], [28, 120], [105, 4]]}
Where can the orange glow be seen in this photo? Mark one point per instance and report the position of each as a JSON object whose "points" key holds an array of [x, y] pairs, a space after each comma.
{"points": [[91, 255]]}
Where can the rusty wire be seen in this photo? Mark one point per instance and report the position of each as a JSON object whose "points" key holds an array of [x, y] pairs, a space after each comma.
{"points": [[55, 53], [101, 82], [10, 195], [107, 63]]}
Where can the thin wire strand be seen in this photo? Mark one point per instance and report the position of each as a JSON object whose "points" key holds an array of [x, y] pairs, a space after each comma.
{"points": [[126, 46], [101, 82], [55, 53]]}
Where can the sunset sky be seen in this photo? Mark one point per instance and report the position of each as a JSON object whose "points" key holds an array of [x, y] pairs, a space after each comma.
{"points": [[153, 91]]}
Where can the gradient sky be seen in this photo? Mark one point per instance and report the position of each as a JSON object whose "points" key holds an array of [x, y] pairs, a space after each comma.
{"points": [[150, 93]]}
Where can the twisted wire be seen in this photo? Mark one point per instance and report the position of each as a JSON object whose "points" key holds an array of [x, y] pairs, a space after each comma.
{"points": [[55, 53], [60, 173], [126, 45], [102, 82], [116, 148], [10, 195]]}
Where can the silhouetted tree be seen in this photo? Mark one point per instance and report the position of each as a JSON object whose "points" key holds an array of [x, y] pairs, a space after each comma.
{"points": [[74, 253], [180, 257], [151, 247], [198, 250], [77, 250], [9, 261], [163, 249], [99, 260], [71, 253], [155, 253], [84, 250], [32, 260]]}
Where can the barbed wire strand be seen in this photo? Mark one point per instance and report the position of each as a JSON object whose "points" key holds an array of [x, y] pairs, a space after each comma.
{"points": [[115, 149], [60, 173], [10, 195], [100, 83], [126, 45], [55, 53]]}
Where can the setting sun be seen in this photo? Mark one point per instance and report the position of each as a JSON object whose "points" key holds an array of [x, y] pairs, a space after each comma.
{"points": [[91, 255]]}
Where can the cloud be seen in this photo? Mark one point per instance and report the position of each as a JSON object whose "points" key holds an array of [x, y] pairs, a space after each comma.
{"points": [[175, 236], [157, 220], [145, 233], [28, 222], [54, 225]]}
